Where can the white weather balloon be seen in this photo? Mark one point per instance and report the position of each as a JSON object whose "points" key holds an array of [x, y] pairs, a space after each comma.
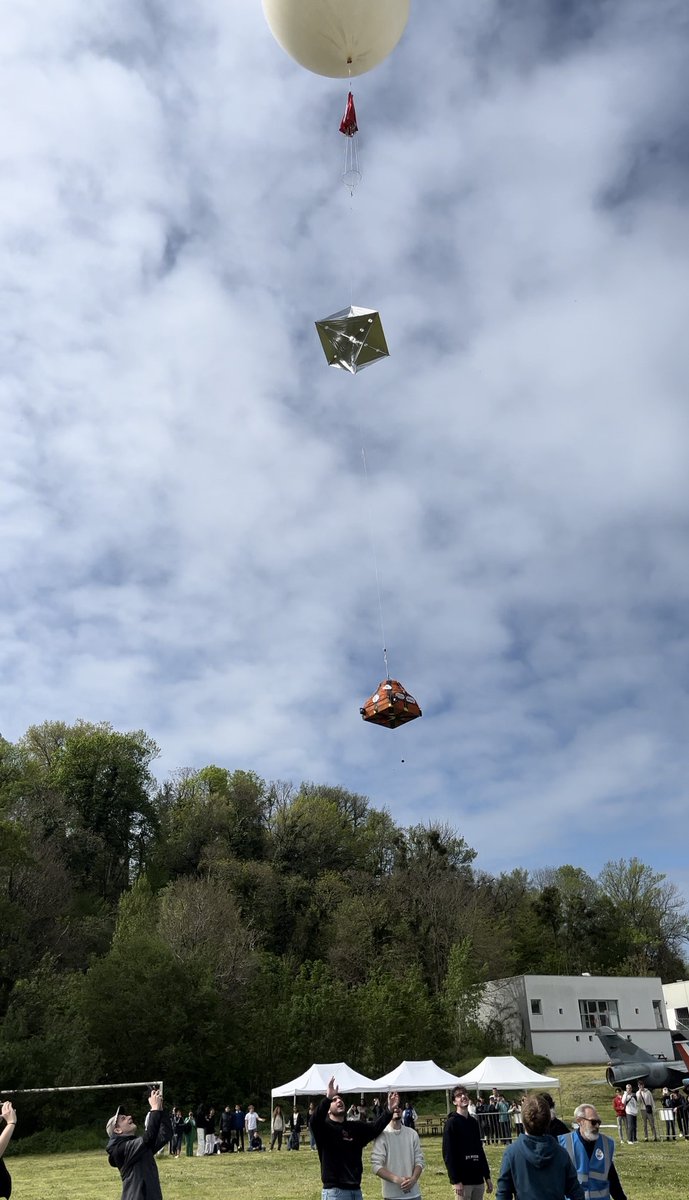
{"points": [[337, 37]]}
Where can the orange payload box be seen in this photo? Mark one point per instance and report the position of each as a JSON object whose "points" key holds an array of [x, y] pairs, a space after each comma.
{"points": [[390, 705]]}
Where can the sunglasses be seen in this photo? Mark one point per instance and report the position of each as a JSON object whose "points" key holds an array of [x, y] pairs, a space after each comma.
{"points": [[595, 1121]]}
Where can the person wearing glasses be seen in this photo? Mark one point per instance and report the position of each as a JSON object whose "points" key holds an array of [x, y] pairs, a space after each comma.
{"points": [[535, 1167], [592, 1153]]}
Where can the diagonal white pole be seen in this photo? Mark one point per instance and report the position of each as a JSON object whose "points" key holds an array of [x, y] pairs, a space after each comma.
{"points": [[84, 1087]]}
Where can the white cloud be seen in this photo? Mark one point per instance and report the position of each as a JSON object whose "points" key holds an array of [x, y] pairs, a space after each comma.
{"points": [[185, 517]]}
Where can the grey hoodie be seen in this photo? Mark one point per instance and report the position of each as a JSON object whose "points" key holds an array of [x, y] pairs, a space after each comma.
{"points": [[134, 1157]]}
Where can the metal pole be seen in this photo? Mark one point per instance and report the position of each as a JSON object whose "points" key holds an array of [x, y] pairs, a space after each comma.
{"points": [[85, 1087]]}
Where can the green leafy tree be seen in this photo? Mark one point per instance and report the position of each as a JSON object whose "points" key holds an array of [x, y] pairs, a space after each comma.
{"points": [[89, 789], [209, 818], [460, 997], [321, 1020], [44, 1042], [651, 915], [397, 1019]]}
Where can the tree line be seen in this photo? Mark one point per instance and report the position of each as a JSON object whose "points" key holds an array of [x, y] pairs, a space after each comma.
{"points": [[222, 932]]}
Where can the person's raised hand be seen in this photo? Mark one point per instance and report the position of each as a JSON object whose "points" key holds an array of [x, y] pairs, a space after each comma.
{"points": [[331, 1089]]}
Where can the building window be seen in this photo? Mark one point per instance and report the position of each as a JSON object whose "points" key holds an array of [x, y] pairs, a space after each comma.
{"points": [[598, 1012], [536, 1008], [658, 1013]]}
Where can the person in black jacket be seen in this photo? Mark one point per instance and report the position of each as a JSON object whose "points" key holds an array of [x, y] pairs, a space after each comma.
{"points": [[340, 1143], [238, 1127], [134, 1156], [226, 1126], [556, 1126], [295, 1124], [463, 1152]]}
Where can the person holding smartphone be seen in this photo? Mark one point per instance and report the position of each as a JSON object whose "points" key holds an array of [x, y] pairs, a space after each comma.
{"points": [[134, 1154], [9, 1116]]}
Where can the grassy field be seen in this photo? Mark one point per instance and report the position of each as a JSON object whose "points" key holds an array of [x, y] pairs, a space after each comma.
{"points": [[654, 1172]]}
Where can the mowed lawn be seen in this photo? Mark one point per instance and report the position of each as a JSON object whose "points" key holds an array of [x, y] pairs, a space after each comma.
{"points": [[652, 1171]]}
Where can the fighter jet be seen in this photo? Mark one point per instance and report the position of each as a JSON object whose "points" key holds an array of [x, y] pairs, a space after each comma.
{"points": [[628, 1062]]}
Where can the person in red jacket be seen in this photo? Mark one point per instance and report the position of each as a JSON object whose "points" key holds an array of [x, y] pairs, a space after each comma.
{"points": [[618, 1105]]}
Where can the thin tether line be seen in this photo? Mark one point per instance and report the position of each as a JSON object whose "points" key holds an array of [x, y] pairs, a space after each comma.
{"points": [[375, 559]]}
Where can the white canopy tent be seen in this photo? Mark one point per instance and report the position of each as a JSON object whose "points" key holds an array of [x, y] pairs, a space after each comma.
{"points": [[314, 1082], [417, 1076], [506, 1072]]}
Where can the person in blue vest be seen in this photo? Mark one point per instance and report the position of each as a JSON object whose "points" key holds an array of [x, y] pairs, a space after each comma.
{"points": [[592, 1153]]}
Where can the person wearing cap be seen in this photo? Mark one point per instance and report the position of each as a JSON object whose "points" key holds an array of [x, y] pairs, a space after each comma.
{"points": [[592, 1153], [463, 1152], [398, 1160], [340, 1143], [9, 1116], [133, 1154]]}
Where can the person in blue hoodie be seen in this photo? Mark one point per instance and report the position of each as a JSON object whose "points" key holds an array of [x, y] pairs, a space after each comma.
{"points": [[536, 1167]]}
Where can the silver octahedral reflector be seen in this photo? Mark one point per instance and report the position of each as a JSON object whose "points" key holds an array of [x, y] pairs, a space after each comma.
{"points": [[353, 338]]}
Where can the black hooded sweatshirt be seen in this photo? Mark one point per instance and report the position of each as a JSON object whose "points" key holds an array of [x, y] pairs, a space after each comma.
{"points": [[340, 1145]]}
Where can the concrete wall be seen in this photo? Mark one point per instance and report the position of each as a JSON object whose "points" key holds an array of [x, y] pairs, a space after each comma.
{"points": [[542, 1013], [677, 1002]]}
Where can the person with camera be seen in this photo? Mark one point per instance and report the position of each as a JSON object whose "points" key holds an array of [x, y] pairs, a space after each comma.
{"points": [[646, 1106], [631, 1108], [134, 1155]]}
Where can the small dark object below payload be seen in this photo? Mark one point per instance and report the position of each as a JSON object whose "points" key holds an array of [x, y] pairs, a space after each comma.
{"points": [[390, 705]]}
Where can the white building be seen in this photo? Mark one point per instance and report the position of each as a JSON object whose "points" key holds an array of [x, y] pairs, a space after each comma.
{"points": [[557, 1015], [676, 996]]}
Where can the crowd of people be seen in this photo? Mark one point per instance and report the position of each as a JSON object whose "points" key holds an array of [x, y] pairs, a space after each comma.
{"points": [[634, 1104], [232, 1129], [544, 1160]]}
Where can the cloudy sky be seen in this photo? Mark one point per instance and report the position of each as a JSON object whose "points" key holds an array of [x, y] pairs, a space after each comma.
{"points": [[188, 537]]}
